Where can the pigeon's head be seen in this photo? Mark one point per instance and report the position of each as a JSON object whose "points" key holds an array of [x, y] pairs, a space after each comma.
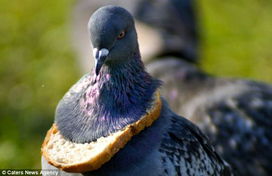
{"points": [[113, 36]]}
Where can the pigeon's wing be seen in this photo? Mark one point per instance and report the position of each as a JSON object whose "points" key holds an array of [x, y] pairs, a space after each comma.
{"points": [[240, 126], [186, 151]]}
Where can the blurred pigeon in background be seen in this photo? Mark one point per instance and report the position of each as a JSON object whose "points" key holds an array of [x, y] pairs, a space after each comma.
{"points": [[117, 93], [235, 114]]}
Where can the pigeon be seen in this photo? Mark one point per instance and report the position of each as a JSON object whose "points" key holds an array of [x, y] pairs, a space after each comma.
{"points": [[235, 114], [179, 40], [117, 93]]}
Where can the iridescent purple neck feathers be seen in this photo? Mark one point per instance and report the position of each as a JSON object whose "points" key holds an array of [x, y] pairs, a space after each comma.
{"points": [[99, 105]]}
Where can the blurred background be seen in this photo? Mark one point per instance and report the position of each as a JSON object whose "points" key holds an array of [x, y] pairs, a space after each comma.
{"points": [[38, 61]]}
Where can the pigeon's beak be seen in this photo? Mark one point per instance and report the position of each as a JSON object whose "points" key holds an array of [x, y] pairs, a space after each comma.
{"points": [[100, 57]]}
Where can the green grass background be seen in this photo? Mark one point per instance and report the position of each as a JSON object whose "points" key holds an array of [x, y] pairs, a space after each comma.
{"points": [[37, 62], [237, 38]]}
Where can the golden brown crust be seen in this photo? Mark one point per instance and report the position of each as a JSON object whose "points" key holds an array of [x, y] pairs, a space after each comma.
{"points": [[120, 141]]}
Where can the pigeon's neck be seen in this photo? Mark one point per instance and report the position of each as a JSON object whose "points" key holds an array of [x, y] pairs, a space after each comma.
{"points": [[124, 89], [118, 96]]}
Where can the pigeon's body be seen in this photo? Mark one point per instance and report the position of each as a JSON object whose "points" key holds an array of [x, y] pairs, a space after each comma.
{"points": [[117, 94], [235, 114], [171, 146]]}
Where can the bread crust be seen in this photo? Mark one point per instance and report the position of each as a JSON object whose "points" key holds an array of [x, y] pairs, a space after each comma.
{"points": [[120, 141]]}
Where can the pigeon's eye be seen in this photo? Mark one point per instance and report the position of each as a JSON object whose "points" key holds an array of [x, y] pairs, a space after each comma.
{"points": [[121, 35]]}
